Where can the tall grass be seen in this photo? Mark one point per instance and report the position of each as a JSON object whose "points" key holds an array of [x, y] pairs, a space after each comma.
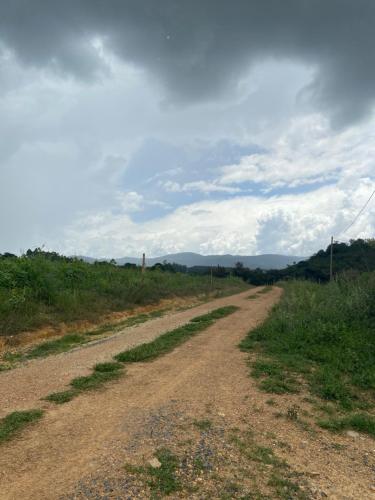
{"points": [[326, 333], [37, 290]]}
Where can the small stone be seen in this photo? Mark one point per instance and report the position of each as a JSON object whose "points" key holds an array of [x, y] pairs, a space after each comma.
{"points": [[155, 464], [314, 474], [372, 488], [352, 434]]}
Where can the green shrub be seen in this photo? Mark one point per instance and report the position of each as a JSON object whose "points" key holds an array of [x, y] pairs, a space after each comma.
{"points": [[326, 333], [43, 288]]}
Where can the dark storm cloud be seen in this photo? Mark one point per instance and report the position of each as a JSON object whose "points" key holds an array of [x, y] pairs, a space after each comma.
{"points": [[199, 48]]}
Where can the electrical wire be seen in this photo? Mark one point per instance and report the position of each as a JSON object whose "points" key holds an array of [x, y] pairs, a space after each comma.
{"points": [[358, 215]]}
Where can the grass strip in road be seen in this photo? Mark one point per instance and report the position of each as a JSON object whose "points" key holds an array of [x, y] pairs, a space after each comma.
{"points": [[61, 397], [105, 372], [168, 341], [102, 373], [13, 423]]}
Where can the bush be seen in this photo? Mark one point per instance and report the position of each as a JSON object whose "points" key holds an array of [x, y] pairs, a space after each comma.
{"points": [[325, 332], [42, 288]]}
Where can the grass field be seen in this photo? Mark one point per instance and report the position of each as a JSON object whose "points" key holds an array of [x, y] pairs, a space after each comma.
{"points": [[322, 336], [39, 290]]}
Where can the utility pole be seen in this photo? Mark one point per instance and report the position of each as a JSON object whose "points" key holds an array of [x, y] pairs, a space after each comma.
{"points": [[212, 280], [331, 261], [143, 262]]}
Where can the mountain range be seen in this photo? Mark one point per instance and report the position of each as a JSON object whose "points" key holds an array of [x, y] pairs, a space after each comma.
{"points": [[190, 259]]}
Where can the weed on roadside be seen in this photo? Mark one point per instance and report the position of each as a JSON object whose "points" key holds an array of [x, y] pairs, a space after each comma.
{"points": [[293, 412], [360, 422], [271, 402], [15, 422], [128, 322], [57, 346], [286, 488], [203, 425], [163, 480]]}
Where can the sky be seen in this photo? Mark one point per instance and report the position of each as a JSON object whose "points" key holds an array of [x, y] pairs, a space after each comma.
{"points": [[131, 126]]}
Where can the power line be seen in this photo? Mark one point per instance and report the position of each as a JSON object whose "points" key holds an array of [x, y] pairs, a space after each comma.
{"points": [[358, 215]]}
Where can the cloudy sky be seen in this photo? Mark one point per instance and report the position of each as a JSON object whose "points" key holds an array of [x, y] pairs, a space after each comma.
{"points": [[213, 126]]}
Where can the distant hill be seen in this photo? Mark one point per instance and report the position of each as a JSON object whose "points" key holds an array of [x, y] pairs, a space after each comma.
{"points": [[351, 258], [190, 259]]}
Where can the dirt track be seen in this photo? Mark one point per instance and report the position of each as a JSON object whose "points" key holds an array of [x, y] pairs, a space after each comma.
{"points": [[23, 387], [79, 449]]}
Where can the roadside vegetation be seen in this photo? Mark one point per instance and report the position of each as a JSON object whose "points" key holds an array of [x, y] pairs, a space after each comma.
{"points": [[68, 342], [321, 337], [43, 288]]}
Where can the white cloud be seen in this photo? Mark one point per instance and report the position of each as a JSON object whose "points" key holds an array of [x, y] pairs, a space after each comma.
{"points": [[308, 152], [297, 224], [204, 187], [65, 145]]}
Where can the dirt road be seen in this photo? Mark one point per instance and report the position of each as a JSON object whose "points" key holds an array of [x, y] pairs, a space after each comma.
{"points": [[198, 402], [23, 387]]}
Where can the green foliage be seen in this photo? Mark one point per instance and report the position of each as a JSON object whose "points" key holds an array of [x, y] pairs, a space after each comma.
{"points": [[354, 257], [203, 425], [163, 480], [361, 422], [274, 378], [13, 423], [61, 397], [94, 381], [324, 332], [62, 344], [101, 374], [108, 367], [168, 341], [42, 288]]}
